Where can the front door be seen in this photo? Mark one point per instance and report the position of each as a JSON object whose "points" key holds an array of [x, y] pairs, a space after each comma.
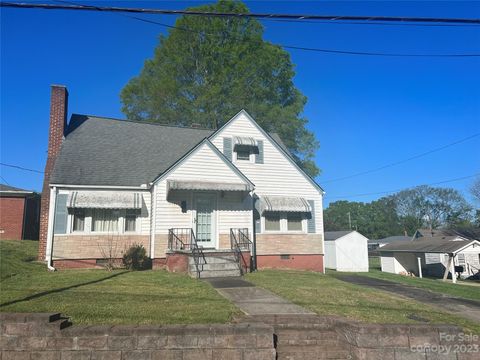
{"points": [[205, 220]]}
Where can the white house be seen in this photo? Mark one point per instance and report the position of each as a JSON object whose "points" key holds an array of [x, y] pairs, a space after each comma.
{"points": [[434, 256], [186, 194], [346, 251]]}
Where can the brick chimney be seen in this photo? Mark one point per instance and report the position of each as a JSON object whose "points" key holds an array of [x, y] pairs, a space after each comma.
{"points": [[58, 122]]}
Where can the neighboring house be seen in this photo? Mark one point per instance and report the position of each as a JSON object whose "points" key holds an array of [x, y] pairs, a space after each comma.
{"points": [[19, 213], [374, 244], [346, 251], [469, 233], [183, 193], [433, 256]]}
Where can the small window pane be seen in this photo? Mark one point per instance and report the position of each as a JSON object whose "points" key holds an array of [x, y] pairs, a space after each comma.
{"points": [[294, 222], [243, 155], [105, 220], [461, 259], [272, 222], [78, 219], [130, 220]]}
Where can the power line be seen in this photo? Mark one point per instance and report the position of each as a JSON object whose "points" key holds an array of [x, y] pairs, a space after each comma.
{"points": [[379, 23], [292, 47], [6, 182], [337, 18], [397, 190], [402, 161], [21, 168]]}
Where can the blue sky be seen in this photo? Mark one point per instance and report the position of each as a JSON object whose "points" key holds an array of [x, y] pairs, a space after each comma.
{"points": [[365, 111]]}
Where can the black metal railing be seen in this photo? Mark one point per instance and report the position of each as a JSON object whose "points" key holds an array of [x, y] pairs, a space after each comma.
{"points": [[240, 242], [183, 239]]}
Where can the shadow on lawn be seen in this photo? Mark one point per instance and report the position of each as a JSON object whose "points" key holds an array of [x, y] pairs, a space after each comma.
{"points": [[44, 293]]}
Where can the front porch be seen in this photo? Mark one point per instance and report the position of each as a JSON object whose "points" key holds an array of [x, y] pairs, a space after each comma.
{"points": [[187, 254]]}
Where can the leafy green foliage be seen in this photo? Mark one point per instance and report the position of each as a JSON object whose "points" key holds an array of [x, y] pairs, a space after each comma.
{"points": [[135, 258], [208, 68], [475, 190], [433, 207], [375, 220], [402, 213]]}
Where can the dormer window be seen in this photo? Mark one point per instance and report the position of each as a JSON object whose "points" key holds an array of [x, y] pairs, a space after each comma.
{"points": [[244, 146], [243, 154]]}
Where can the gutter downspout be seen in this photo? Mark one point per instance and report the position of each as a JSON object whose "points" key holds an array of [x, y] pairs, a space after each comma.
{"points": [[153, 221], [50, 232], [254, 250]]}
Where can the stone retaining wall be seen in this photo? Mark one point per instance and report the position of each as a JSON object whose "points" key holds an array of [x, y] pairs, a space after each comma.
{"points": [[24, 336], [305, 337]]}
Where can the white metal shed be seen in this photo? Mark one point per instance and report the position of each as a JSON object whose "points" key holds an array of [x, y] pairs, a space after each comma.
{"points": [[346, 251]]}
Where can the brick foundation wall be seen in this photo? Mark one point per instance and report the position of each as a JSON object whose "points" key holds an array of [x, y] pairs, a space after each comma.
{"points": [[177, 262], [161, 245], [269, 244], [76, 247], [58, 121], [291, 261], [11, 217]]}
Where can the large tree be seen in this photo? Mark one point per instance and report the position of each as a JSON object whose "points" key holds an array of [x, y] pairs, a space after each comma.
{"points": [[475, 189], [433, 207], [208, 68], [375, 220]]}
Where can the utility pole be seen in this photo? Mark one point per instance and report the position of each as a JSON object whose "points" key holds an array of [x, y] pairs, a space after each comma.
{"points": [[349, 221]]}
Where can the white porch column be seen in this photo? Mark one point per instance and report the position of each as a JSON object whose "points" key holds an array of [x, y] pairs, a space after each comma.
{"points": [[419, 261], [447, 267], [452, 270]]}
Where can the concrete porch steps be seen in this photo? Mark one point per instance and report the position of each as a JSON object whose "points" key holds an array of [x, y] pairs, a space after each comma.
{"points": [[218, 264]]}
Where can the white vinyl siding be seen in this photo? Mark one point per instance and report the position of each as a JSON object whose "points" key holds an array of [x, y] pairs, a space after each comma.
{"points": [[277, 175], [232, 211], [205, 165]]}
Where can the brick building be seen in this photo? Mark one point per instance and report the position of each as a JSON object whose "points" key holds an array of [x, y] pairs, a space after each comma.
{"points": [[19, 213]]}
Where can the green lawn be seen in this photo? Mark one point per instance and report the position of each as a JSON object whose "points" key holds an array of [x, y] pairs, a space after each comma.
{"points": [[326, 295], [102, 297], [463, 289]]}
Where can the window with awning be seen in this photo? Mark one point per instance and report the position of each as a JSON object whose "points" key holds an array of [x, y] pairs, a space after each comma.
{"points": [[284, 204], [244, 141], [207, 185], [104, 200], [285, 214]]}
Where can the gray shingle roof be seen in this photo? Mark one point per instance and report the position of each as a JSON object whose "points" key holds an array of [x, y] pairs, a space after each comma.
{"points": [[391, 239], [435, 244], [102, 151], [468, 233], [12, 189], [105, 151], [334, 235]]}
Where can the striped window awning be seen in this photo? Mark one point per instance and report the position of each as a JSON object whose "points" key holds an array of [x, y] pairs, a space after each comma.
{"points": [[283, 203], [104, 200], [244, 141], [206, 185]]}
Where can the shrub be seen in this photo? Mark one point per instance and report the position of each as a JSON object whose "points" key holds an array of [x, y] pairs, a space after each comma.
{"points": [[135, 258]]}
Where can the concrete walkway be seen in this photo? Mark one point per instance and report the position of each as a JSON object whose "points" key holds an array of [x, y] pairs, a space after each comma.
{"points": [[253, 300], [469, 309]]}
